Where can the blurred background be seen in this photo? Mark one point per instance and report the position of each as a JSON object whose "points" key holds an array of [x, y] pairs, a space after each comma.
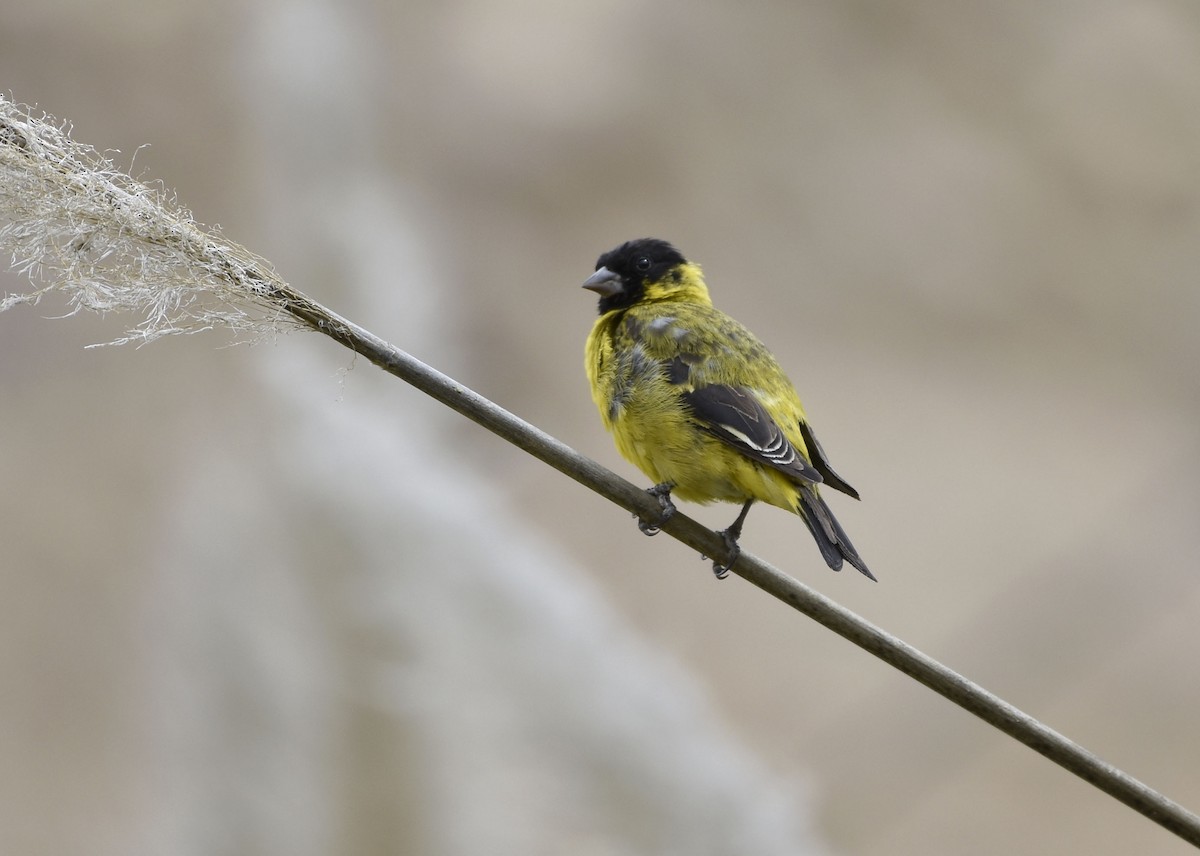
{"points": [[266, 600]]}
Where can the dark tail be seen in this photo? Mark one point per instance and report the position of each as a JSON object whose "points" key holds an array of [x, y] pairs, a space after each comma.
{"points": [[828, 533]]}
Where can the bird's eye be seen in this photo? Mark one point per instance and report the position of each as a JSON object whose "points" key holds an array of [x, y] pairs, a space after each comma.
{"points": [[642, 263]]}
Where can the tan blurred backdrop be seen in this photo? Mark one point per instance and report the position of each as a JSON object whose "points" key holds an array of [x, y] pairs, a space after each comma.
{"points": [[967, 229]]}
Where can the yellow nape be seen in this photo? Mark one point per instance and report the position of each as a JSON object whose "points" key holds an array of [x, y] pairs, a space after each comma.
{"points": [[683, 283]]}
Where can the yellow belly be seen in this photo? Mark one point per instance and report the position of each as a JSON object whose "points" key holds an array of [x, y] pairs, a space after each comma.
{"points": [[667, 447]]}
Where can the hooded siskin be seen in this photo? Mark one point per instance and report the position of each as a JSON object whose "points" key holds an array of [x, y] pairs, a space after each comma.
{"points": [[697, 402]]}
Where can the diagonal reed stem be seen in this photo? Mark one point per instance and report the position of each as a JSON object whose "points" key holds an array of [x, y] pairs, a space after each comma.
{"points": [[892, 650]]}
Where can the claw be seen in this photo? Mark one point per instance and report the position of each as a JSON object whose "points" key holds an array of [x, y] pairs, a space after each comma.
{"points": [[735, 550], [648, 528], [667, 509]]}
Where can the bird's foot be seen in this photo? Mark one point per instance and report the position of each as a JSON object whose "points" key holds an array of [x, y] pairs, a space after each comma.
{"points": [[731, 536], [662, 492], [734, 550]]}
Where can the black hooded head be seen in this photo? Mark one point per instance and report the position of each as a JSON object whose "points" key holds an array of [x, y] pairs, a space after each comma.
{"points": [[622, 273]]}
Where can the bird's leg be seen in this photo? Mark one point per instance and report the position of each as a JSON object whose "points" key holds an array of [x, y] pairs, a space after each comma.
{"points": [[663, 493], [731, 536]]}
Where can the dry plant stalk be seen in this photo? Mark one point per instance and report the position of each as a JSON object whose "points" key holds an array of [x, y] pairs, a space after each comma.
{"points": [[75, 224]]}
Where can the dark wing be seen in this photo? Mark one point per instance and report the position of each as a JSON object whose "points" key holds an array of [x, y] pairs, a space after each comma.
{"points": [[733, 415], [821, 463]]}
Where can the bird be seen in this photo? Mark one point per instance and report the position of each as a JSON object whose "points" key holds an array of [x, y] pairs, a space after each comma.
{"points": [[699, 404]]}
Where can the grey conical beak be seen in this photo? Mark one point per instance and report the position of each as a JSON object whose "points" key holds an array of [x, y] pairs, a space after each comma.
{"points": [[605, 283]]}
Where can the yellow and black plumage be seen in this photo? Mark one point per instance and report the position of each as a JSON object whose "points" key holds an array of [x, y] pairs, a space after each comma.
{"points": [[698, 403]]}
